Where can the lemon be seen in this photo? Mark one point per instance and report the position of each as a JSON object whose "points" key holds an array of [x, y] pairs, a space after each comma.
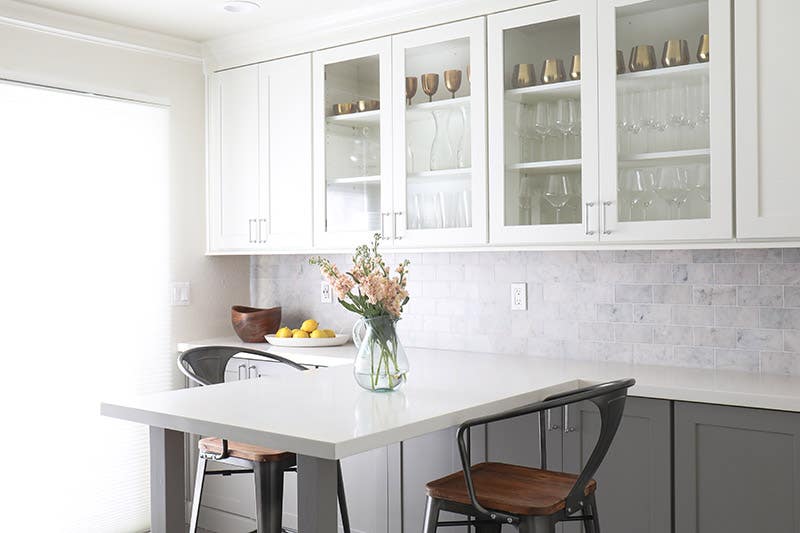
{"points": [[300, 334], [295, 330], [318, 334], [284, 333], [309, 325], [329, 333]]}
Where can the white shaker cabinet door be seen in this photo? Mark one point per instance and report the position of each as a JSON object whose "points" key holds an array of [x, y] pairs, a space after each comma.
{"points": [[285, 153], [767, 115], [233, 173]]}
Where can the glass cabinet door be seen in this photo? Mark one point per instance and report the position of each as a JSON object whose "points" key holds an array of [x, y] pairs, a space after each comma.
{"points": [[665, 120], [543, 123], [352, 156], [440, 128]]}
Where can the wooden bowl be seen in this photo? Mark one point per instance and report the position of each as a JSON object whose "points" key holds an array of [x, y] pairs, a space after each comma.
{"points": [[251, 323]]}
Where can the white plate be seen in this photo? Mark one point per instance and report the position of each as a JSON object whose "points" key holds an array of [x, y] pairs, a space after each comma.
{"points": [[338, 340]]}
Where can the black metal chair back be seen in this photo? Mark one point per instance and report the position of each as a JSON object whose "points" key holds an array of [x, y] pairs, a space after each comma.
{"points": [[610, 400], [206, 365]]}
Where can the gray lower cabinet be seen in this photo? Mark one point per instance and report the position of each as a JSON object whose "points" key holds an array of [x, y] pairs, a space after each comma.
{"points": [[633, 482], [737, 470]]}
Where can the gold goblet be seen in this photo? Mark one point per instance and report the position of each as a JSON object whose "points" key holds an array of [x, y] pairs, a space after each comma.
{"points": [[702, 49], [643, 57], [620, 62], [344, 109], [430, 84], [524, 75], [575, 67], [676, 53], [553, 71], [411, 88], [368, 105], [452, 81]]}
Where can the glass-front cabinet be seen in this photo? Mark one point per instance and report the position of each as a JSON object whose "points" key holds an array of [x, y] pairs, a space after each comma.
{"points": [[543, 154], [439, 85], [352, 141], [665, 141]]}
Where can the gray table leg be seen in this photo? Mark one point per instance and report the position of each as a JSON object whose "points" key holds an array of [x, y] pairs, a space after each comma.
{"points": [[167, 489], [316, 495]]}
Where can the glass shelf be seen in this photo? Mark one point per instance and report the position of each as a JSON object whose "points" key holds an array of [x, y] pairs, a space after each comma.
{"points": [[355, 180], [650, 78], [537, 93], [365, 118], [632, 159], [447, 173], [535, 167], [423, 111]]}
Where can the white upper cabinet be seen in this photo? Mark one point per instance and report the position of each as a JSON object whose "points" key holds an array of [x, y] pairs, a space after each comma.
{"points": [[767, 186], [665, 120], [259, 157], [234, 181], [352, 140], [439, 102], [543, 154]]}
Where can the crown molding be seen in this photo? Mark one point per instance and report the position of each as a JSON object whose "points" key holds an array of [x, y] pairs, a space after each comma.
{"points": [[286, 38], [35, 18]]}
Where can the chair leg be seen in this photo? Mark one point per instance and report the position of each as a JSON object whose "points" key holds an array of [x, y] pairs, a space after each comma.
{"points": [[342, 499], [269, 497], [432, 508], [595, 522], [198, 493]]}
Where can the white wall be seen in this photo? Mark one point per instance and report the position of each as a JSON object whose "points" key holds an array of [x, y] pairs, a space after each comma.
{"points": [[217, 282]]}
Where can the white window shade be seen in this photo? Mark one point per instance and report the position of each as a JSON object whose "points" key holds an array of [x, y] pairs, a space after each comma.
{"points": [[85, 316]]}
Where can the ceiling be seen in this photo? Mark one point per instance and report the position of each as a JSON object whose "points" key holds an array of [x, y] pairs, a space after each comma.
{"points": [[201, 20]]}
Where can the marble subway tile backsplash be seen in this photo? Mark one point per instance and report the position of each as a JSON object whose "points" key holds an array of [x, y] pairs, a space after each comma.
{"points": [[732, 309]]}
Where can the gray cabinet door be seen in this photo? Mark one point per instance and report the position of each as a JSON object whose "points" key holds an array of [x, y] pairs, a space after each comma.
{"points": [[633, 482], [736, 470]]}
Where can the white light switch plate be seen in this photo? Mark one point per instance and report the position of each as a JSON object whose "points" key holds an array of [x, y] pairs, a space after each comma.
{"points": [[180, 293], [519, 296], [325, 295]]}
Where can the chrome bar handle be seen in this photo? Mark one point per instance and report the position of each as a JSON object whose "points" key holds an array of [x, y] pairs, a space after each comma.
{"points": [[252, 370], [587, 231], [383, 227], [567, 427], [550, 426], [607, 203], [250, 223], [242, 367], [262, 237], [394, 225]]}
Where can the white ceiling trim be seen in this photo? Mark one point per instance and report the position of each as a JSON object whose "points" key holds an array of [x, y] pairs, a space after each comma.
{"points": [[285, 38], [70, 26]]}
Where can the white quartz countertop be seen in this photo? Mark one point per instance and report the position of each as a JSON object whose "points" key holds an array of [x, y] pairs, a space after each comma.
{"points": [[325, 414], [330, 356]]}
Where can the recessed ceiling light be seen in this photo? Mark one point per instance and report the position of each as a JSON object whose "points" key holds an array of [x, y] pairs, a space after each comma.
{"points": [[240, 6]]}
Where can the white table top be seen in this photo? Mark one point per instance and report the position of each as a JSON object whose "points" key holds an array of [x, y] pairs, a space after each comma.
{"points": [[324, 413]]}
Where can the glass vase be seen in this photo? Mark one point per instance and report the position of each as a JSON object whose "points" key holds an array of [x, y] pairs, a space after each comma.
{"points": [[442, 156], [381, 364]]}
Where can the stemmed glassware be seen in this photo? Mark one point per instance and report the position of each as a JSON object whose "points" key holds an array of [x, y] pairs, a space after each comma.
{"points": [[566, 117], [672, 186], [558, 192], [542, 125], [640, 184]]}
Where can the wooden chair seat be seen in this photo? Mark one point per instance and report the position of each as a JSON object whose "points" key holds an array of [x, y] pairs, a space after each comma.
{"points": [[511, 489], [248, 452]]}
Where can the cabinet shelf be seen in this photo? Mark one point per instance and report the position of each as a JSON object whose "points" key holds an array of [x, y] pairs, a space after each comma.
{"points": [[423, 111], [655, 157], [354, 180], [447, 173], [537, 93], [542, 167], [366, 118], [660, 76]]}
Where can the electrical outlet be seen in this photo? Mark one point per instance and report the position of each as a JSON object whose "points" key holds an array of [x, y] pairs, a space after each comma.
{"points": [[180, 293], [519, 296], [325, 293]]}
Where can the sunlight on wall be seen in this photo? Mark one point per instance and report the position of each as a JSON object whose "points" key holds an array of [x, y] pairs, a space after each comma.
{"points": [[84, 218]]}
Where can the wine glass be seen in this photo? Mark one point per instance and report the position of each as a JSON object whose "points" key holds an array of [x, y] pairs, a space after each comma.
{"points": [[526, 190], [564, 121], [558, 192], [672, 186], [699, 182], [452, 81], [641, 188], [542, 124], [411, 88], [430, 84]]}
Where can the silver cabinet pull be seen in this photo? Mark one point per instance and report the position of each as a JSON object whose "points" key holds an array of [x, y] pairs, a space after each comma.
{"points": [[550, 426], [252, 372], [607, 203], [567, 427], [242, 368], [587, 231], [383, 226], [250, 223], [394, 225], [262, 237]]}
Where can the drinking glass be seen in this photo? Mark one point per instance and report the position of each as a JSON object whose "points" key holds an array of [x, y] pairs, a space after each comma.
{"points": [[564, 121], [558, 192], [641, 187], [526, 189], [699, 182], [672, 186], [542, 122]]}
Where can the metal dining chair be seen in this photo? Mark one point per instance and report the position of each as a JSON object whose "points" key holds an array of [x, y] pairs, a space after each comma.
{"points": [[206, 366], [531, 499]]}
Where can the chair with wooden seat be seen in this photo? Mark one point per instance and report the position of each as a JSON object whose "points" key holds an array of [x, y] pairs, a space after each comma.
{"points": [[206, 366], [533, 500]]}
